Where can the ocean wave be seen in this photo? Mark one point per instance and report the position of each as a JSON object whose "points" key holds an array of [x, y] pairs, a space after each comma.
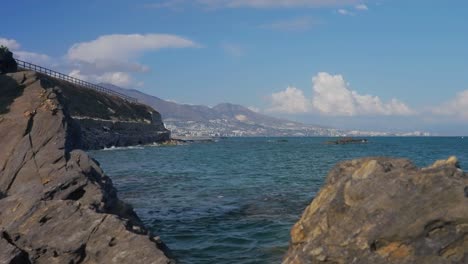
{"points": [[122, 148]]}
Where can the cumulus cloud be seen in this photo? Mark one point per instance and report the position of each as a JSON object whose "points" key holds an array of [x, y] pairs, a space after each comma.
{"points": [[457, 107], [28, 56], [124, 47], [10, 43], [117, 78], [333, 96], [111, 58], [33, 57], [291, 101], [295, 24]]}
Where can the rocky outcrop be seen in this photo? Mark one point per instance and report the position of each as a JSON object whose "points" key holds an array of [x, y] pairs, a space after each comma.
{"points": [[347, 140], [99, 134], [106, 120], [382, 210], [56, 204]]}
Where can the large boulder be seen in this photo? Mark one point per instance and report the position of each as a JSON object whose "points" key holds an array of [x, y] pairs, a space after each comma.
{"points": [[7, 62], [56, 204], [383, 210]]}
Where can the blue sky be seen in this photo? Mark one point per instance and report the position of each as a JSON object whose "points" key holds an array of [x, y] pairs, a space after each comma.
{"points": [[387, 65]]}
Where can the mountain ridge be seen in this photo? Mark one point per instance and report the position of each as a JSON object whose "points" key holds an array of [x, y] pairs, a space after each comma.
{"points": [[227, 119], [223, 119], [221, 108]]}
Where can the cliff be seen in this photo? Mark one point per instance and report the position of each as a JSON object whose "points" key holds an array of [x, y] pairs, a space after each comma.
{"points": [[106, 120], [382, 210], [56, 204]]}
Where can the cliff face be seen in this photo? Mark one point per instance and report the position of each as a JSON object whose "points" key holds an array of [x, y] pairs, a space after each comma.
{"points": [[382, 210], [107, 120], [56, 204]]}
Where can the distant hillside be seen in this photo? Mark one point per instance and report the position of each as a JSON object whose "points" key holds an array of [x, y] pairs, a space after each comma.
{"points": [[234, 120], [169, 110], [224, 119]]}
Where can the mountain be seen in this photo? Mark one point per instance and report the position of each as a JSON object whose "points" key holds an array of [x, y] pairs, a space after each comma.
{"points": [[224, 119]]}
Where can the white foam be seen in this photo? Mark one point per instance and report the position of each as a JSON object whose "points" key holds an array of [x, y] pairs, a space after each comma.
{"points": [[123, 148]]}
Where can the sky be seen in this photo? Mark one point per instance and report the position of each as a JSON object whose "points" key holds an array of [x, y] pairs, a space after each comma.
{"points": [[387, 65]]}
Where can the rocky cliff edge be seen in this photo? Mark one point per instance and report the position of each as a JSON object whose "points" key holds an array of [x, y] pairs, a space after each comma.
{"points": [[56, 204]]}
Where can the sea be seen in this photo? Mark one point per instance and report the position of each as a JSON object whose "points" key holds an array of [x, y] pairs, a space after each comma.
{"points": [[235, 200]]}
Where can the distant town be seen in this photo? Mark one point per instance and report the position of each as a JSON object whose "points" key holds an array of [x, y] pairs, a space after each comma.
{"points": [[226, 128]]}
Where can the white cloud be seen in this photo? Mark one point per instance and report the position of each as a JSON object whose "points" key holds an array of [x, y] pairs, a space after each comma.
{"points": [[361, 7], [111, 58], [345, 12], [117, 78], [36, 58], [28, 56], [332, 96], [457, 107], [291, 101], [295, 24], [120, 47], [10, 43], [77, 74]]}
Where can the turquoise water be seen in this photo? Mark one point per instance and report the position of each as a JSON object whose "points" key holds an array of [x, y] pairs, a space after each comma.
{"points": [[234, 201]]}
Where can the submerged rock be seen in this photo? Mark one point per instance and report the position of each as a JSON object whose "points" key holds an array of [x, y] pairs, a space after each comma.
{"points": [[56, 204], [347, 140], [383, 210]]}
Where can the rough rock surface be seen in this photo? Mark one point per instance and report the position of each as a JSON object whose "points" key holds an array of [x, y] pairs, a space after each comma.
{"points": [[56, 204], [382, 210], [99, 134], [106, 120]]}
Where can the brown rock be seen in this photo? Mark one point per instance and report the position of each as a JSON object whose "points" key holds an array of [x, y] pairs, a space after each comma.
{"points": [[56, 204], [383, 210]]}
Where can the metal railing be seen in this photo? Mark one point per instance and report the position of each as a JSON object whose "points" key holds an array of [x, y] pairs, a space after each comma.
{"points": [[30, 66]]}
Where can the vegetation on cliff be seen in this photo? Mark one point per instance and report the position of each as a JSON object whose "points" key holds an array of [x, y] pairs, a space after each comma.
{"points": [[7, 62]]}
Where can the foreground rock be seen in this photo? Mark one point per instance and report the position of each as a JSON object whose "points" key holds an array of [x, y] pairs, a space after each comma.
{"points": [[382, 210], [56, 204]]}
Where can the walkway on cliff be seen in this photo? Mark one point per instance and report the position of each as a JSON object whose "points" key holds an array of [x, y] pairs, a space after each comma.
{"points": [[30, 66]]}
